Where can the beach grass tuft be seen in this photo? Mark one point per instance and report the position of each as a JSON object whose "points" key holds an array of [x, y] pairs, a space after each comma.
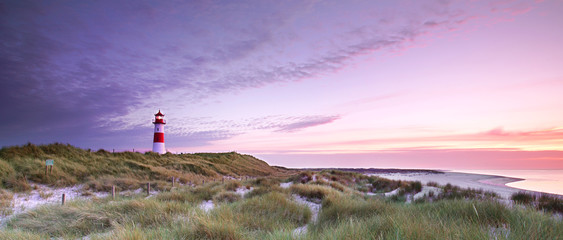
{"points": [[523, 198]]}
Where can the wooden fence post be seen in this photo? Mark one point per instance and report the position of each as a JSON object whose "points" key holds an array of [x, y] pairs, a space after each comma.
{"points": [[149, 188], [63, 200], [113, 191], [173, 180]]}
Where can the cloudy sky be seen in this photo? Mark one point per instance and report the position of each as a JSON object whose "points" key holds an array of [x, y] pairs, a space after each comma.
{"points": [[426, 84]]}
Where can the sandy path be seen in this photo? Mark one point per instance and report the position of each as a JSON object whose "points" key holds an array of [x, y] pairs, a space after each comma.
{"points": [[315, 209], [42, 195]]}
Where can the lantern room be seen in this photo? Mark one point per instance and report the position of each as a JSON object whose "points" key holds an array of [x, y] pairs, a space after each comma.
{"points": [[159, 118]]}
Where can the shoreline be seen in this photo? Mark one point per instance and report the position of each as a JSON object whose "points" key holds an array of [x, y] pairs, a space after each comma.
{"points": [[486, 182], [495, 182], [500, 180]]}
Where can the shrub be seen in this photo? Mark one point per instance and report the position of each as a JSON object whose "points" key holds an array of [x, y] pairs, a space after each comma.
{"points": [[312, 192], [204, 193], [302, 177], [265, 182], [338, 186], [398, 198], [522, 198], [417, 186], [413, 187], [17, 182], [232, 185], [6, 202], [432, 184], [549, 203], [363, 189], [385, 185], [226, 197], [6, 169], [259, 191], [455, 192]]}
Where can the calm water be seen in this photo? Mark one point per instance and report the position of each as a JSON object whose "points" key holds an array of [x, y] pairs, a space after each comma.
{"points": [[549, 181]]}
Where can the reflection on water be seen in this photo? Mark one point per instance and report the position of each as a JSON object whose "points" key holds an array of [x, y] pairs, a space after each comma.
{"points": [[549, 181]]}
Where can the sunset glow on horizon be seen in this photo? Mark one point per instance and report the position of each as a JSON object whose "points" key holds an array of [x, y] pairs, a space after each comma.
{"points": [[406, 84]]}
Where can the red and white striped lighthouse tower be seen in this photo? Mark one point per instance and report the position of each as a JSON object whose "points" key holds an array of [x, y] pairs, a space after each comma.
{"points": [[158, 142]]}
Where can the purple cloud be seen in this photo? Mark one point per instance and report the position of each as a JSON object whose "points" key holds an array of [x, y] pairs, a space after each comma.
{"points": [[307, 122], [68, 67]]}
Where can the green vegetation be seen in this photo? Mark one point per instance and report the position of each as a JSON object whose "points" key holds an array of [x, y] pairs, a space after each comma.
{"points": [[542, 202], [5, 202], [314, 193], [523, 198], [351, 207], [451, 219], [455, 192], [99, 170]]}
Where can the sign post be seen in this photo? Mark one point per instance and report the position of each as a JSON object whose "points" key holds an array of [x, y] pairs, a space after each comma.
{"points": [[49, 165]]}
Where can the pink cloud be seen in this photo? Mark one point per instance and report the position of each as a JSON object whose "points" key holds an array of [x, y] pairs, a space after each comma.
{"points": [[493, 135], [449, 159]]}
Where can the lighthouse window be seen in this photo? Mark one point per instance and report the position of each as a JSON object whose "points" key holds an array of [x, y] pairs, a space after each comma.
{"points": [[157, 129]]}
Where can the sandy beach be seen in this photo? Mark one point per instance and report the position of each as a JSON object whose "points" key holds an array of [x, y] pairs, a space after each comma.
{"points": [[464, 180]]}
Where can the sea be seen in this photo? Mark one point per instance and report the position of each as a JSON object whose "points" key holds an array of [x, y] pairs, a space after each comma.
{"points": [[549, 181]]}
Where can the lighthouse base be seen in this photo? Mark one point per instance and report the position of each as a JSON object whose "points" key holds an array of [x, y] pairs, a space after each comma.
{"points": [[158, 147]]}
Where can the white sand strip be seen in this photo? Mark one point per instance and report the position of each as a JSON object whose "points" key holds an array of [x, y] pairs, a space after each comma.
{"points": [[286, 185]]}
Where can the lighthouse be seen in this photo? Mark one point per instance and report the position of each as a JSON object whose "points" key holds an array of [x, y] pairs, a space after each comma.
{"points": [[158, 142]]}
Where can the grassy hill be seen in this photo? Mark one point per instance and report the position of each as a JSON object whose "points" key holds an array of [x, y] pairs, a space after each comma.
{"points": [[101, 169]]}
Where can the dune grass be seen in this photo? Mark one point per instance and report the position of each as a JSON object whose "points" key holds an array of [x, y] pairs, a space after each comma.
{"points": [[272, 212], [79, 218], [20, 165], [314, 193], [544, 202], [450, 219], [6, 202], [161, 217], [226, 197]]}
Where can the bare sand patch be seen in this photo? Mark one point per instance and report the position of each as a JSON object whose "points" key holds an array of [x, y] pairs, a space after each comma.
{"points": [[206, 205], [315, 208], [286, 185]]}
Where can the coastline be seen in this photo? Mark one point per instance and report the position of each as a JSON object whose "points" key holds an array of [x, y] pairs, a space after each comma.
{"points": [[543, 181], [494, 183]]}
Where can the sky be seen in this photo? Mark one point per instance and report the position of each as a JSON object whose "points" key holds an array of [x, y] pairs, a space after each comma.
{"points": [[403, 84]]}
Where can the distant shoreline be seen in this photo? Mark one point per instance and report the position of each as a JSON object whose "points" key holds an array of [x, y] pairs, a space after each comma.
{"points": [[494, 183], [374, 170]]}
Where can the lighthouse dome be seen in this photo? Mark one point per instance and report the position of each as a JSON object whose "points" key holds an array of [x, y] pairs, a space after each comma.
{"points": [[159, 118]]}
